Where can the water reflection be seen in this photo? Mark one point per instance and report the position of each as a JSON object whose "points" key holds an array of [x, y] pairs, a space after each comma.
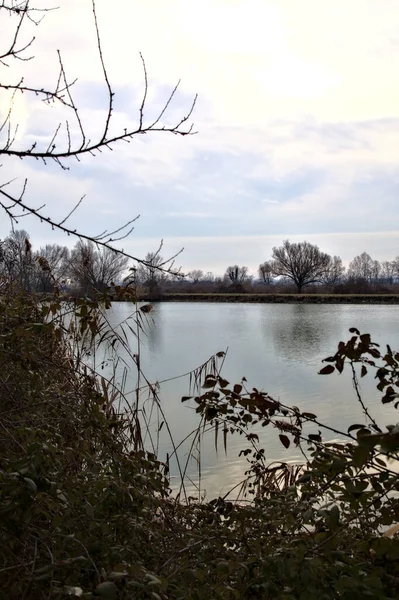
{"points": [[277, 347], [296, 333]]}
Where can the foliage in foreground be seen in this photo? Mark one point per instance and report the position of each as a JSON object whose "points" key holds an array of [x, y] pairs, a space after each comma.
{"points": [[82, 514]]}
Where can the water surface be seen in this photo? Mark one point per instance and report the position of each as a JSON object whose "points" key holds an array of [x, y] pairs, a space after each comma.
{"points": [[277, 347]]}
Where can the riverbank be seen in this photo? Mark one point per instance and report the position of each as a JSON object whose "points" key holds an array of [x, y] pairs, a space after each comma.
{"points": [[281, 298]]}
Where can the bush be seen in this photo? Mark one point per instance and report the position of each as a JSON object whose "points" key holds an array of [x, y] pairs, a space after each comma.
{"points": [[86, 512]]}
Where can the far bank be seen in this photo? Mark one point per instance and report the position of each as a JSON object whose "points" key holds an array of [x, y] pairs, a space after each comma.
{"points": [[279, 298]]}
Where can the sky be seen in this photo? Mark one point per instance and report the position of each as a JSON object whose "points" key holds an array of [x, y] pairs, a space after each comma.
{"points": [[297, 124]]}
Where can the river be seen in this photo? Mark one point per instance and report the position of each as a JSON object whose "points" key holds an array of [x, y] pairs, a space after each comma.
{"points": [[279, 348]]}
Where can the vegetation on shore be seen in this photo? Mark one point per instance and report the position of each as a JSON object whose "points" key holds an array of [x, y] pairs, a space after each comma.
{"points": [[86, 511], [280, 298]]}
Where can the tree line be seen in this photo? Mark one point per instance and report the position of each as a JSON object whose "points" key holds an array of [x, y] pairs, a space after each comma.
{"points": [[87, 268], [303, 264], [84, 269]]}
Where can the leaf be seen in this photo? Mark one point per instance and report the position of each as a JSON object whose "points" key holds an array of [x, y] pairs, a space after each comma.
{"points": [[333, 518], [304, 478], [237, 388], [366, 338], [209, 383], [117, 575], [363, 371], [307, 415], [360, 455], [30, 484], [315, 437], [185, 398], [354, 330], [220, 354], [356, 426], [284, 440], [327, 370], [225, 439], [107, 590]]}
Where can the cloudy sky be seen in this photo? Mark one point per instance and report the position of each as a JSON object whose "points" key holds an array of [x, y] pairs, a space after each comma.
{"points": [[297, 119]]}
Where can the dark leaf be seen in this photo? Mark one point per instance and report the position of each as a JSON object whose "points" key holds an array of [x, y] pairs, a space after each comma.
{"points": [[237, 388], [365, 338], [355, 426], [307, 415], [354, 330], [327, 370], [360, 455], [363, 371], [284, 440]]}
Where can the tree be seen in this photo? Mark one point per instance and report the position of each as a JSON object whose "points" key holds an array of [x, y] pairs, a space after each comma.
{"points": [[17, 262], [389, 269], [334, 272], [237, 274], [196, 275], [150, 272], [71, 137], [301, 262], [52, 266], [266, 272], [94, 268], [363, 267]]}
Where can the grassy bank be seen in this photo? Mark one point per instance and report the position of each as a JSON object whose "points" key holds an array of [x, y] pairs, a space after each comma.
{"points": [[284, 298], [86, 512]]}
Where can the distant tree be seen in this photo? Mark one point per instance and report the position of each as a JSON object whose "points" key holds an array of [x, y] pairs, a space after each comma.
{"points": [[301, 262], [334, 272], [52, 267], [196, 275], [237, 274], [149, 273], [209, 276], [363, 267], [17, 262], [95, 269], [265, 272], [389, 270]]}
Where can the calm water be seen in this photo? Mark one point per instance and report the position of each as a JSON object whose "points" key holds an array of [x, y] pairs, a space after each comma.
{"points": [[278, 348]]}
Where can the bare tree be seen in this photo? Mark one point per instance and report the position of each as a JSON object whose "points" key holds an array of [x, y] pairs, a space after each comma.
{"points": [[237, 274], [52, 266], [363, 267], [333, 273], [17, 262], [69, 138], [95, 269], [196, 275], [209, 276], [149, 273], [389, 270], [303, 263], [265, 272]]}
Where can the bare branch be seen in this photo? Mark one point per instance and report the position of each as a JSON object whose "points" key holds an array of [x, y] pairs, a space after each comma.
{"points": [[110, 92], [82, 236]]}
